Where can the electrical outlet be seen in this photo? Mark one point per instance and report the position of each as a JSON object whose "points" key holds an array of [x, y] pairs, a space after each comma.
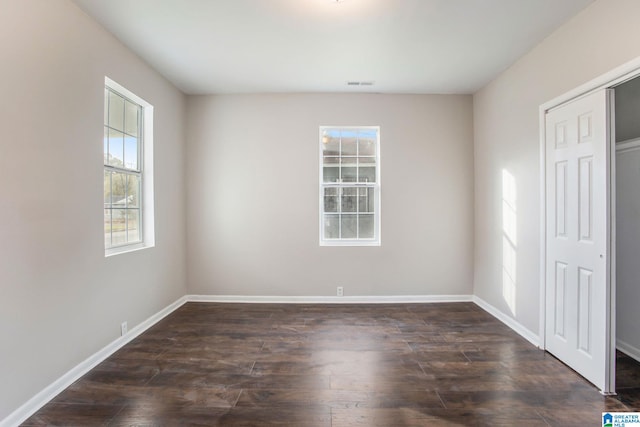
{"points": [[340, 291], [123, 328]]}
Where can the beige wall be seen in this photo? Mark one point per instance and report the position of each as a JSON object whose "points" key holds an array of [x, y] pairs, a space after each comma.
{"points": [[60, 299], [253, 196], [506, 137], [252, 187]]}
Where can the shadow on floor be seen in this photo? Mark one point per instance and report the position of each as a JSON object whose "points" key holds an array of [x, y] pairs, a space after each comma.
{"points": [[628, 380]]}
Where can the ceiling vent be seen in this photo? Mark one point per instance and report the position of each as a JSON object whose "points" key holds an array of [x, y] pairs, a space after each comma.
{"points": [[357, 83]]}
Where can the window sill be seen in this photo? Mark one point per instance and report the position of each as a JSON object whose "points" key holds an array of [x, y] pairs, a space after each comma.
{"points": [[126, 249], [350, 243]]}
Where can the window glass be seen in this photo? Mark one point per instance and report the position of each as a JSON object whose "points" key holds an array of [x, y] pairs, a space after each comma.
{"points": [[349, 186], [122, 170]]}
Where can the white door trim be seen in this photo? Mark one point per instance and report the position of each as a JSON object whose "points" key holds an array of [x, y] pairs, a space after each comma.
{"points": [[616, 76]]}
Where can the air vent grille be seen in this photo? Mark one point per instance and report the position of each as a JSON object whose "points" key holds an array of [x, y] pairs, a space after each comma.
{"points": [[360, 83]]}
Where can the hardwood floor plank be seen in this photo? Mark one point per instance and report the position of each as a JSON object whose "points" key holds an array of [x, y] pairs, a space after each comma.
{"points": [[284, 398], [154, 416], [381, 383], [60, 414], [290, 416], [630, 397], [628, 372], [547, 399], [234, 381], [414, 417], [334, 365]]}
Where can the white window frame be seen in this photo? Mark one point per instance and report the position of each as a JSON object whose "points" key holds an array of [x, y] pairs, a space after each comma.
{"points": [[376, 240], [147, 226]]}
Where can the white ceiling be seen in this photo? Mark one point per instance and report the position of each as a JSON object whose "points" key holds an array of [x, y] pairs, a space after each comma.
{"points": [[404, 46]]}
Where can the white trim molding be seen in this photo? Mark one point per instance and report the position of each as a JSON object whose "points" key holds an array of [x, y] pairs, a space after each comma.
{"points": [[518, 327], [383, 299], [611, 78], [607, 80], [628, 145], [43, 397], [52, 390], [628, 349]]}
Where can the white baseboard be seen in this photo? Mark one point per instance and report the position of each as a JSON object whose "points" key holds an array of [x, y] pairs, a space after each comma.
{"points": [[39, 400], [628, 349], [52, 390], [383, 299], [533, 338]]}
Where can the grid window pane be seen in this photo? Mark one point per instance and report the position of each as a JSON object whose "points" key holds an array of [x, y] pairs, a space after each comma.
{"points": [[133, 191], [106, 106], [118, 226], [130, 152], [115, 156], [107, 189], [331, 200], [366, 161], [349, 226], [367, 173], [349, 144], [367, 144], [106, 145], [107, 228], [119, 190], [331, 226], [116, 111], [331, 173], [349, 169], [331, 143], [365, 226], [366, 200], [331, 161], [349, 200], [133, 225], [131, 118]]}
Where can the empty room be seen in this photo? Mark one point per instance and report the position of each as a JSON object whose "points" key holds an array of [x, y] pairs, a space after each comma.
{"points": [[319, 212]]}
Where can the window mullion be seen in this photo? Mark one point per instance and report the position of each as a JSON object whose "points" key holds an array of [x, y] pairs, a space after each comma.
{"points": [[340, 191], [111, 206], [339, 212], [126, 209], [357, 213], [357, 188]]}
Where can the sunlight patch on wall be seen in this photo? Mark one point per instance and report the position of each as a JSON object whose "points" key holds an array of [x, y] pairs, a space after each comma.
{"points": [[509, 239]]}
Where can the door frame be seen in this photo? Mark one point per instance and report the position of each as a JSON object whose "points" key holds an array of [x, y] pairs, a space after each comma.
{"points": [[612, 78]]}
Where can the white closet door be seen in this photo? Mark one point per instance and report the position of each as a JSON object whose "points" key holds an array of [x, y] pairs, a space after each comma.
{"points": [[577, 232]]}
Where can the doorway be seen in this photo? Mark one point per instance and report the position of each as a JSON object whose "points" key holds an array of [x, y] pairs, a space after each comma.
{"points": [[577, 231], [627, 237], [570, 288]]}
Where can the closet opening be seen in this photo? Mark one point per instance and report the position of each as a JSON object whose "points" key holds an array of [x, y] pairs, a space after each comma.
{"points": [[627, 237]]}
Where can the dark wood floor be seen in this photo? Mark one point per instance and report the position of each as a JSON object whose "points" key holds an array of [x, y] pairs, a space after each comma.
{"points": [[334, 365]]}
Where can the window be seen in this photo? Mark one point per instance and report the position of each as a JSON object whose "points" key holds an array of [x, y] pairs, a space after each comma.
{"points": [[350, 186], [125, 162]]}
